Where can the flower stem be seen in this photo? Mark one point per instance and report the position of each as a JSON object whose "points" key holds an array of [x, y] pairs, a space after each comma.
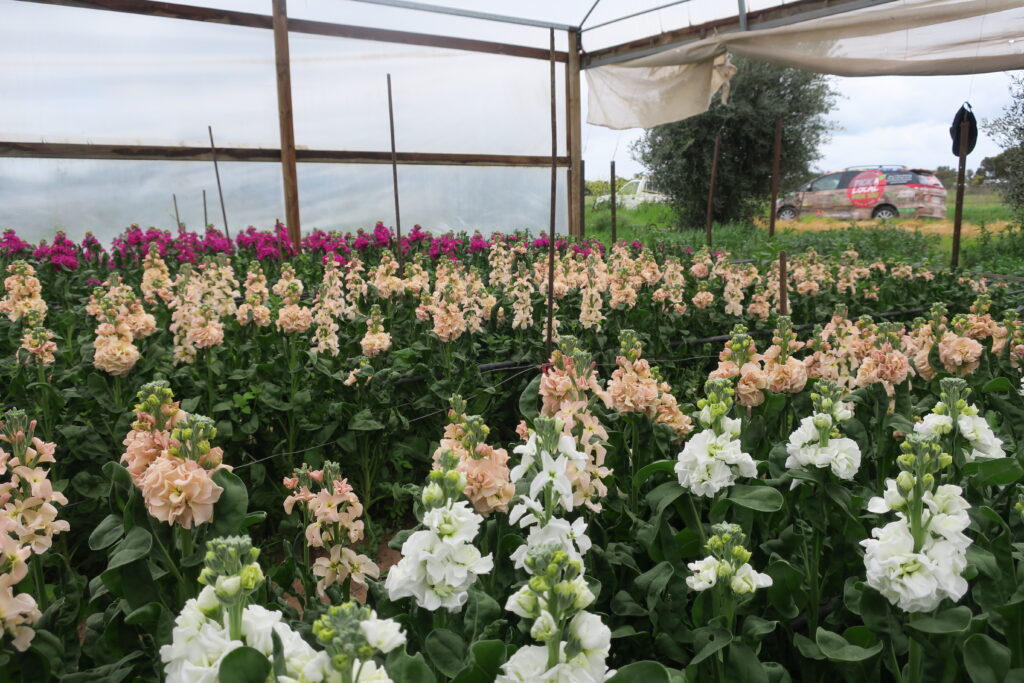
{"points": [[40, 583], [696, 516], [235, 620], [915, 659]]}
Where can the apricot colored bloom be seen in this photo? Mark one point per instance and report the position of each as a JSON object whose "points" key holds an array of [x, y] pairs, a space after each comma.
{"points": [[293, 318], [789, 377], [342, 564], [703, 299], [959, 355], [115, 354], [17, 614], [751, 385], [632, 388], [179, 491]]}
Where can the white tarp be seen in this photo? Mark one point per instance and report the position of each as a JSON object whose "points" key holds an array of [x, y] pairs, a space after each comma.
{"points": [[908, 37]]}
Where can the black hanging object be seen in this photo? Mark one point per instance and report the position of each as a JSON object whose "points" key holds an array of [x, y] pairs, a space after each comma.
{"points": [[964, 114]]}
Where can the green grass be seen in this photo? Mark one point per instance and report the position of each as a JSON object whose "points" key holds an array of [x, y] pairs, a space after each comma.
{"points": [[981, 205]]}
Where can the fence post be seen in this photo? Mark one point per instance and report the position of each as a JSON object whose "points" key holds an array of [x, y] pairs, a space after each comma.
{"points": [[554, 186], [711, 187], [614, 222], [284, 114], [958, 215]]}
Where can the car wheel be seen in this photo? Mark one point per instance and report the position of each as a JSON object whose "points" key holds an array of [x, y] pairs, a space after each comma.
{"points": [[886, 212], [788, 213]]}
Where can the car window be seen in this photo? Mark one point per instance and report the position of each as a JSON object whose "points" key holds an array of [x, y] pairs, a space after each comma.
{"points": [[630, 187], [930, 180], [828, 182]]}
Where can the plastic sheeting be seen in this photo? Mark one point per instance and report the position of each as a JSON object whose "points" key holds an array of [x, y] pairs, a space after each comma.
{"points": [[40, 196], [910, 37]]}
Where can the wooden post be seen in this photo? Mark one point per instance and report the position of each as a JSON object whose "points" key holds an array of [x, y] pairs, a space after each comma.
{"points": [[783, 285], [711, 187], [574, 134], [284, 112], [958, 214], [583, 199], [394, 181], [206, 218], [776, 164], [614, 225], [220, 190], [177, 216], [554, 186]]}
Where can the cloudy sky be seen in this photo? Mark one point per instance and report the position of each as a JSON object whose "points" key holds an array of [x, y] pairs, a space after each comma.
{"points": [[80, 75]]}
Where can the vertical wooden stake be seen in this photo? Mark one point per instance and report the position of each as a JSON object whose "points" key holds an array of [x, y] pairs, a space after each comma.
{"points": [[776, 168], [958, 214], [177, 216], [554, 186], [614, 224], [783, 285], [711, 187], [574, 133], [583, 200], [289, 170], [394, 182], [206, 218], [220, 190]]}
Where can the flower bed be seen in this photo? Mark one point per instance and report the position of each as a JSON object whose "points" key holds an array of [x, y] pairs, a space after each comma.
{"points": [[554, 525]]}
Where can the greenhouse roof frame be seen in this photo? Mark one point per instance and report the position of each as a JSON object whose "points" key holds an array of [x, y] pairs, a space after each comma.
{"points": [[574, 58]]}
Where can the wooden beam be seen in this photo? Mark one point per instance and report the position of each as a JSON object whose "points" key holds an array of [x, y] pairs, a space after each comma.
{"points": [[170, 10], [800, 10], [289, 171], [574, 134], [68, 150]]}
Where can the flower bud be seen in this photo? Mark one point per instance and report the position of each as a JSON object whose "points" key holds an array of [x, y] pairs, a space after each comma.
{"points": [[227, 587], [251, 577], [905, 481]]}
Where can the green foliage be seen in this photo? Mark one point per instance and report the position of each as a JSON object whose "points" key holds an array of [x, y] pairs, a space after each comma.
{"points": [[679, 154], [1008, 131]]}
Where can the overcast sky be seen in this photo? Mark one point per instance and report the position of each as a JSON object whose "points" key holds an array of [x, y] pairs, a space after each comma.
{"points": [[84, 75]]}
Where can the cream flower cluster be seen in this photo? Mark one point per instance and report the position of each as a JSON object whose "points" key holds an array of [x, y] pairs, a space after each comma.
{"points": [[713, 459], [636, 387], [254, 310], [23, 301], [170, 459], [28, 520], [440, 562], [816, 443], [331, 513], [727, 568], [156, 278], [328, 308], [916, 562], [122, 320], [376, 340], [954, 414], [352, 636], [292, 318]]}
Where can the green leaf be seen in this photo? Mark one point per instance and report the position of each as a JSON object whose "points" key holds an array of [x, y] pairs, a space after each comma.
{"points": [[136, 545], [708, 641], [528, 399], [759, 498], [997, 472], [807, 647], [106, 532], [229, 512], [624, 605], [446, 650], [648, 470], [641, 672], [652, 583], [145, 614], [952, 620], [403, 667], [986, 660], [999, 384], [363, 421], [741, 664], [481, 609], [837, 649], [244, 665]]}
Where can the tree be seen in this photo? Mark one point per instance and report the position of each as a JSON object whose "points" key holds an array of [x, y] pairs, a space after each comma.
{"points": [[995, 169], [678, 155], [946, 175], [1008, 131]]}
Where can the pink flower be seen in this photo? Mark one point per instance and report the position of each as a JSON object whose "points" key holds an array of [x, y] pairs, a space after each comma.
{"points": [[179, 492]]}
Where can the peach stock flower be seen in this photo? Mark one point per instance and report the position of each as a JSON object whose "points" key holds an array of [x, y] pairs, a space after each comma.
{"points": [[179, 492]]}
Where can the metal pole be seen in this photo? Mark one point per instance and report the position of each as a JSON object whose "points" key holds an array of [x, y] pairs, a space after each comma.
{"points": [[177, 217], [554, 186], [614, 225], [776, 167], [206, 218], [742, 14], [220, 190], [394, 179], [711, 187], [958, 215], [783, 285], [583, 201]]}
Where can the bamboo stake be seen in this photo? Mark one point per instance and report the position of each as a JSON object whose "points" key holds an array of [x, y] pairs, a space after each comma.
{"points": [[614, 222], [394, 180], [776, 167], [783, 285], [206, 218], [711, 187], [583, 201], [958, 214], [177, 217], [554, 186], [220, 190]]}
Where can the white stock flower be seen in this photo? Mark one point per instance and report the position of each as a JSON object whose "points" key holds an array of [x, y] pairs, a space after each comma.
{"points": [[891, 499], [591, 633], [455, 523], [745, 580], [552, 473], [544, 627], [704, 573], [844, 457], [934, 425], [983, 441], [527, 453], [530, 663], [571, 538], [368, 672], [435, 573], [708, 463], [524, 603], [383, 634]]}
